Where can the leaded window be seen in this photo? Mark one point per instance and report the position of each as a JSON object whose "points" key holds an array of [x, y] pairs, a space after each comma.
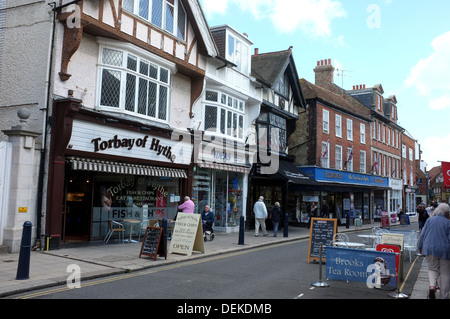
{"points": [[134, 85]]}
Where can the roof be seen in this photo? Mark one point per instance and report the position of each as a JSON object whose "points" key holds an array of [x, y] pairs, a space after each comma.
{"points": [[267, 68], [343, 101]]}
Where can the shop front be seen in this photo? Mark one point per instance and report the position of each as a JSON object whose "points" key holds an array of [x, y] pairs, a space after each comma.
{"points": [[342, 194], [283, 187], [221, 182], [112, 169]]}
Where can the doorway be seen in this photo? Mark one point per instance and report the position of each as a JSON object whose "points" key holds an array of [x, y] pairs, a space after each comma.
{"points": [[78, 207]]}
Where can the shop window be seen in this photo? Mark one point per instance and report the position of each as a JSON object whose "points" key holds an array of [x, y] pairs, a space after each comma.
{"points": [[228, 198], [119, 197]]}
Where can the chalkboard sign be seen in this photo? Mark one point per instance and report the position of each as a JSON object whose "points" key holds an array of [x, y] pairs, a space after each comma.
{"points": [[322, 231], [404, 220], [154, 243]]}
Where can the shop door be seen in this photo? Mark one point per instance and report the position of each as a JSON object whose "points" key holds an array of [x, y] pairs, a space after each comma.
{"points": [[78, 207]]}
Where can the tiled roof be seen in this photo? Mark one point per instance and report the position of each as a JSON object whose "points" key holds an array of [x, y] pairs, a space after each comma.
{"points": [[342, 100]]}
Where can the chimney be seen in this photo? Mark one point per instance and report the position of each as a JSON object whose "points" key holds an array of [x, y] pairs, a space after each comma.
{"points": [[256, 51], [324, 73]]}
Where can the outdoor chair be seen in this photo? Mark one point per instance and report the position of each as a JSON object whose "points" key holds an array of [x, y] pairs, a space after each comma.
{"points": [[114, 227], [410, 243]]}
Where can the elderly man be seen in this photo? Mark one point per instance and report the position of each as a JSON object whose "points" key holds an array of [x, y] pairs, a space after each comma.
{"points": [[188, 206], [260, 211]]}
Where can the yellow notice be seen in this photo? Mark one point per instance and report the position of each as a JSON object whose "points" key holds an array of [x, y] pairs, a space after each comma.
{"points": [[393, 239], [187, 235], [23, 209]]}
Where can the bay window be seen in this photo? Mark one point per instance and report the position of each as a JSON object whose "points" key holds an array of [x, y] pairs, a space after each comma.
{"points": [[133, 85], [224, 114]]}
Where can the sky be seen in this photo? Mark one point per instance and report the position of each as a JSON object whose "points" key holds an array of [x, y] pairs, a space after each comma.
{"points": [[402, 45]]}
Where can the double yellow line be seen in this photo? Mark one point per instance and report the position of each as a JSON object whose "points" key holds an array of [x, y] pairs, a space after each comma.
{"points": [[147, 272]]}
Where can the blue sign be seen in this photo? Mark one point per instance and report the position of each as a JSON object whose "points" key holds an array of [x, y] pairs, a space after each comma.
{"points": [[336, 176], [375, 268]]}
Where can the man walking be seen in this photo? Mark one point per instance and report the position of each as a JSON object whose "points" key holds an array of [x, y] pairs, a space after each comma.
{"points": [[260, 211]]}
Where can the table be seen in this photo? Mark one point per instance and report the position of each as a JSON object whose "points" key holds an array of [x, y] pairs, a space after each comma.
{"points": [[344, 244], [370, 238], [131, 222]]}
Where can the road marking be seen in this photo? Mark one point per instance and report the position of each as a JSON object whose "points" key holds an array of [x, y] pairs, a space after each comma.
{"points": [[154, 270], [299, 296]]}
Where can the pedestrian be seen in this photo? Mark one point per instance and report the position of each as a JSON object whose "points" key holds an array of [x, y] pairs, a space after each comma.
{"points": [[188, 206], [423, 215], [434, 243], [324, 210], [260, 211], [314, 209], [207, 219], [275, 215]]}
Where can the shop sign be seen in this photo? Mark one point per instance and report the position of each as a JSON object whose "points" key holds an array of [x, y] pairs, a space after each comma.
{"points": [[330, 175], [375, 268], [187, 235], [93, 138]]}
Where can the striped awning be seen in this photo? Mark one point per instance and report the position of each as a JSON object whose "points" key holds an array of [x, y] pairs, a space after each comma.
{"points": [[85, 164], [225, 167]]}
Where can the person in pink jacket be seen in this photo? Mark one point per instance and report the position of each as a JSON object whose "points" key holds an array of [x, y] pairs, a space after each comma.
{"points": [[188, 206]]}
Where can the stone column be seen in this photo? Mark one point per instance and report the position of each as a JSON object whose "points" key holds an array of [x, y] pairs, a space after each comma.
{"points": [[23, 182]]}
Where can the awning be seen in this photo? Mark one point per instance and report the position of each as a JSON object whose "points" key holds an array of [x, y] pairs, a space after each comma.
{"points": [[85, 164], [225, 167], [293, 175]]}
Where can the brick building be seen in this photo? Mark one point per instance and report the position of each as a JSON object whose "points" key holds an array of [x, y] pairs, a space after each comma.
{"points": [[333, 146]]}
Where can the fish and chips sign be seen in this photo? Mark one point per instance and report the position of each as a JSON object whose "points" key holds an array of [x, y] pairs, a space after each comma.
{"points": [[187, 235], [375, 268]]}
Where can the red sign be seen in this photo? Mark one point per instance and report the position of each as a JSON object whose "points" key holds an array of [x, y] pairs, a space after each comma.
{"points": [[446, 173], [391, 249]]}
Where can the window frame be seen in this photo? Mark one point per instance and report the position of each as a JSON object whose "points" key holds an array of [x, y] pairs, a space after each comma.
{"points": [[128, 50], [338, 157], [338, 125], [325, 121], [163, 25], [224, 105], [349, 129]]}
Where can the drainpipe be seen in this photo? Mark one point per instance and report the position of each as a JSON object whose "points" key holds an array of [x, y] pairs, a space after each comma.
{"points": [[41, 181]]}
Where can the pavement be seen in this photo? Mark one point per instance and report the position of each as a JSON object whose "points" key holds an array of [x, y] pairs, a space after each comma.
{"points": [[97, 260]]}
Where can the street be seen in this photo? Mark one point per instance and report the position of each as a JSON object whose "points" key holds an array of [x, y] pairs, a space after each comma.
{"points": [[272, 272]]}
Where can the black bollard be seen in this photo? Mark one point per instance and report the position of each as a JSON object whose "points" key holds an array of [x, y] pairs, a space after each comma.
{"points": [[241, 230], [347, 220], [23, 269], [286, 223]]}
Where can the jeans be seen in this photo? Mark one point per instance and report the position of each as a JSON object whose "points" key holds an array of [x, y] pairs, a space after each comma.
{"points": [[275, 228]]}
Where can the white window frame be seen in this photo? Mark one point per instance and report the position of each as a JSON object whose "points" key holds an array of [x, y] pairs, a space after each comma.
{"points": [[338, 125], [240, 55], [362, 162], [349, 129], [228, 104], [403, 150], [362, 128], [326, 122], [338, 157], [325, 160], [133, 7], [129, 50], [349, 162]]}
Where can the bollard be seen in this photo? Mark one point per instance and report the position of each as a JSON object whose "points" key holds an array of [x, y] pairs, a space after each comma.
{"points": [[286, 223], [241, 230], [320, 283], [23, 269]]}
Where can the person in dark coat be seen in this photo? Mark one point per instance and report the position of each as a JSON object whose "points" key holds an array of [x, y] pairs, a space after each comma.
{"points": [[423, 215], [275, 215]]}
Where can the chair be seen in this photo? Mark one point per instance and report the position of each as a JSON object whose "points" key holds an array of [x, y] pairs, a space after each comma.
{"points": [[114, 227], [341, 238], [143, 227], [410, 243]]}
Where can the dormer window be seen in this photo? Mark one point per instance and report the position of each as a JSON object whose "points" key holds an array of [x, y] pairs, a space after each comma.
{"points": [[165, 14], [379, 102], [238, 53]]}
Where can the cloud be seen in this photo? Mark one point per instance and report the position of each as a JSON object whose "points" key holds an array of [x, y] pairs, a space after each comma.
{"points": [[430, 76], [312, 17], [435, 149]]}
